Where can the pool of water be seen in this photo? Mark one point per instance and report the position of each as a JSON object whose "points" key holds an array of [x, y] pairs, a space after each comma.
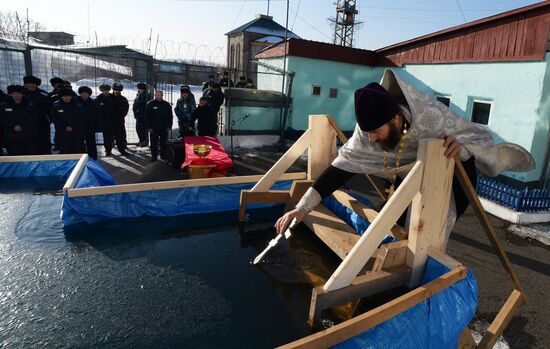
{"points": [[148, 282]]}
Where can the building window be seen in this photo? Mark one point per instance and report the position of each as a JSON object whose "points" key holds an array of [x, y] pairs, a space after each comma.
{"points": [[333, 93], [238, 58], [232, 56], [316, 91], [446, 100], [481, 111]]}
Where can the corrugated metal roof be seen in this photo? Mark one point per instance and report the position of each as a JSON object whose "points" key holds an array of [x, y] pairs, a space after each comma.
{"points": [[263, 25]]}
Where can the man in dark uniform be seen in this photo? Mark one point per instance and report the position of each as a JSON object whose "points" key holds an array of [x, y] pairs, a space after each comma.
{"points": [[68, 120], [241, 83], [121, 108], [91, 119], [18, 118], [39, 99], [57, 83], [215, 97], [225, 81], [207, 118], [184, 109], [158, 116], [140, 103], [110, 125], [210, 81]]}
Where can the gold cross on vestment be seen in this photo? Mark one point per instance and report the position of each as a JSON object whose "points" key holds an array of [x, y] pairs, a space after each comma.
{"points": [[390, 191]]}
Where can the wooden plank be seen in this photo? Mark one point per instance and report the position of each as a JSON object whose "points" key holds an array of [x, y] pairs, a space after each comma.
{"points": [[429, 210], [333, 231], [369, 241], [136, 187], [75, 173], [443, 258], [288, 158], [27, 158], [519, 37], [471, 194], [348, 329], [501, 320], [322, 148], [367, 213], [466, 340], [297, 190], [512, 35], [391, 255], [498, 39], [270, 196], [362, 286]]}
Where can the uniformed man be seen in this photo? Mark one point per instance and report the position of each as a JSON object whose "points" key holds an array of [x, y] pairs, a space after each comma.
{"points": [[210, 81], [158, 116], [121, 109], [68, 119], [91, 119], [57, 83], [225, 81], [18, 118], [207, 118], [184, 109], [110, 125], [241, 83], [40, 100], [140, 103], [215, 97]]}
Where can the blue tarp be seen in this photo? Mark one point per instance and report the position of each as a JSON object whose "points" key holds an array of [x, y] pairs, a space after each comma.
{"points": [[156, 203], [50, 168], [434, 323]]}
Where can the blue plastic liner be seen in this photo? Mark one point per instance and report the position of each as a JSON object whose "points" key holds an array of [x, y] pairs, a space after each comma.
{"points": [[434, 323], [155, 203], [358, 223], [50, 168]]}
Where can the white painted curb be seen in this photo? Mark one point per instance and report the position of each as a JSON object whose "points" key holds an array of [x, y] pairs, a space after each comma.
{"points": [[514, 216]]}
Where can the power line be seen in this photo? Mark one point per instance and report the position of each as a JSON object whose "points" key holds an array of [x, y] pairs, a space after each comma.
{"points": [[462, 13], [310, 25], [297, 10]]}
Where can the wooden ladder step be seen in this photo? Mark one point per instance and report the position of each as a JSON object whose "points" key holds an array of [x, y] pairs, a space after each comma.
{"points": [[333, 231]]}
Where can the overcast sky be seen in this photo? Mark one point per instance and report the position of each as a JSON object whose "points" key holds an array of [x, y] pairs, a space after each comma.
{"points": [[195, 29]]}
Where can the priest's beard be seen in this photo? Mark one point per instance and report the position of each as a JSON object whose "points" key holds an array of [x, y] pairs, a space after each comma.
{"points": [[394, 137]]}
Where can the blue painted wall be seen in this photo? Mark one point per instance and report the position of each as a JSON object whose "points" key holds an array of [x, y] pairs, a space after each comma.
{"points": [[519, 91]]}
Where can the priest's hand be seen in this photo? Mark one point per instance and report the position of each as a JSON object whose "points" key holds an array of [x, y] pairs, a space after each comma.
{"points": [[452, 145], [282, 223]]}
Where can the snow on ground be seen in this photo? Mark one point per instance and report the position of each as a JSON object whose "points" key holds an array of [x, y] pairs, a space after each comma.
{"points": [[480, 327]]}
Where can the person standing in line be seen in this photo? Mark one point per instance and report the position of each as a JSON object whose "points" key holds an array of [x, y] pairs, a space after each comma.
{"points": [[68, 120], [56, 83], [91, 119], [158, 116], [207, 118], [207, 83], [184, 109], [39, 99], [225, 81], [140, 103], [241, 83], [17, 116], [215, 97], [109, 123], [121, 109]]}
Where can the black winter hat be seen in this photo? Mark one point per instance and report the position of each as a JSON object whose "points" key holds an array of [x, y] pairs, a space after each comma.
{"points": [[15, 88], [65, 92], [374, 107], [185, 88], [104, 87], [216, 85], [141, 86], [56, 80], [117, 86], [31, 79], [85, 89]]}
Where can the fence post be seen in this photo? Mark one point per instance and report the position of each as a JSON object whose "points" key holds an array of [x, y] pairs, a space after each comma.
{"points": [[28, 60]]}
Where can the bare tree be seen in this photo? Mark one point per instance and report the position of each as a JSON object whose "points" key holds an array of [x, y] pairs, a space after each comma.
{"points": [[15, 26]]}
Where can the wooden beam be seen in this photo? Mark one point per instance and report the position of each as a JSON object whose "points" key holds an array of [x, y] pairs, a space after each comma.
{"points": [[367, 213], [443, 258], [370, 240], [348, 329], [297, 190], [468, 187], [501, 320], [322, 149], [466, 341], [75, 173], [333, 231], [429, 210], [378, 188], [270, 196], [391, 255], [362, 286], [136, 187], [27, 158], [280, 167]]}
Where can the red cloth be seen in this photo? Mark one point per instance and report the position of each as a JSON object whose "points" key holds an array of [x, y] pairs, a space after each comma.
{"points": [[217, 156]]}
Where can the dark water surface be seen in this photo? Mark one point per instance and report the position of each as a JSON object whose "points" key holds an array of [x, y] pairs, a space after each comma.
{"points": [[148, 282]]}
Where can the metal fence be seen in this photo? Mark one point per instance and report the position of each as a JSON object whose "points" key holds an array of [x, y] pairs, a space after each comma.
{"points": [[86, 68], [521, 200]]}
